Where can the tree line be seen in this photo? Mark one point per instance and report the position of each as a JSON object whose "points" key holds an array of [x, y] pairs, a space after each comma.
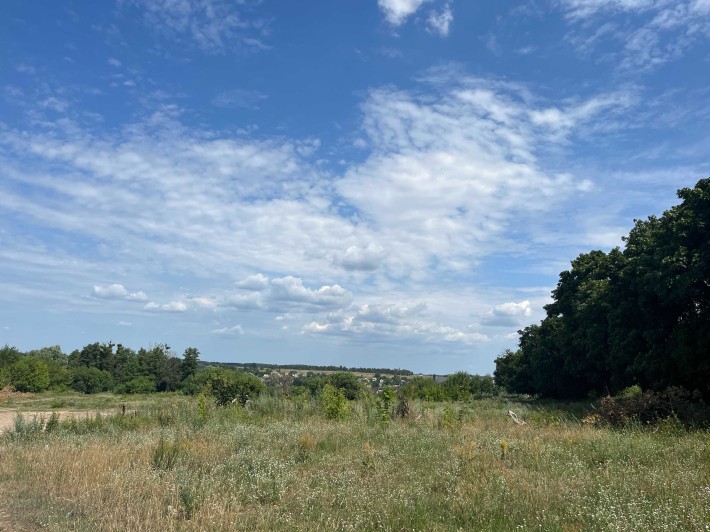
{"points": [[638, 316], [98, 367], [109, 367], [254, 366]]}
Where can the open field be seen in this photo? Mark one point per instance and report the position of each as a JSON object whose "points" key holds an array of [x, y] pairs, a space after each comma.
{"points": [[179, 463]]}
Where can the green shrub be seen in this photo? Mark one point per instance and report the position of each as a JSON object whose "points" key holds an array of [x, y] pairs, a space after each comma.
{"points": [[167, 454], [228, 386], [632, 392], [91, 380], [334, 403], [138, 385], [385, 400], [52, 423]]}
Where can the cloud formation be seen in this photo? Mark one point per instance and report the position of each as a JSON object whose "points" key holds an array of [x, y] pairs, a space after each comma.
{"points": [[439, 22], [212, 25], [651, 32], [510, 314], [378, 322], [289, 291], [397, 11], [118, 291], [173, 306]]}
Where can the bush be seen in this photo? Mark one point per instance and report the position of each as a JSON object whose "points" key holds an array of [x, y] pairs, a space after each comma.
{"points": [[234, 386], [334, 403], [91, 380], [632, 392], [651, 408], [137, 385]]}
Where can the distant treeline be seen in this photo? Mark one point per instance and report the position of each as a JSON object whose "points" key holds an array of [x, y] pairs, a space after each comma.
{"points": [[640, 316], [109, 367], [249, 366]]}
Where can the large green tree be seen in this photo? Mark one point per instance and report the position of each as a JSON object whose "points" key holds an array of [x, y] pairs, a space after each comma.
{"points": [[637, 316], [29, 374]]}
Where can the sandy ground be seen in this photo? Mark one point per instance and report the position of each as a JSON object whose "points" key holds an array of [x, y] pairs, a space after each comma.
{"points": [[7, 416]]}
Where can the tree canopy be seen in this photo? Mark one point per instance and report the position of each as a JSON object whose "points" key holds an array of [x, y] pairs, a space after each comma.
{"points": [[640, 316]]}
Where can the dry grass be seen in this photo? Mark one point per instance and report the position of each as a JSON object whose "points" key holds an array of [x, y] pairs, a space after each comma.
{"points": [[238, 469]]}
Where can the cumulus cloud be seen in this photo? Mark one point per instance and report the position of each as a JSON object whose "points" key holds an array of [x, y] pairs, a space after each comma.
{"points": [[118, 291], [357, 258], [290, 291], [378, 322], [508, 314], [397, 11], [243, 301], [255, 282], [388, 313]]}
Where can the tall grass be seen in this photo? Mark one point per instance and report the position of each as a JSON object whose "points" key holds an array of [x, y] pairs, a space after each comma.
{"points": [[182, 464]]}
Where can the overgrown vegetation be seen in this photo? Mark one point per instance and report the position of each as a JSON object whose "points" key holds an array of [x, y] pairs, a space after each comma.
{"points": [[180, 463]]}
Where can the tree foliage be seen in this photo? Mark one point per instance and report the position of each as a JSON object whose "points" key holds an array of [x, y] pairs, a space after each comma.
{"points": [[29, 374], [638, 316]]}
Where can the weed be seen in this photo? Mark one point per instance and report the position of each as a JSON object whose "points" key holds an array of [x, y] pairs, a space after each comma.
{"points": [[167, 454], [305, 446]]}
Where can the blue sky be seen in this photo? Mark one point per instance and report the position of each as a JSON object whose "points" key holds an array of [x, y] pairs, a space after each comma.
{"points": [[390, 183]]}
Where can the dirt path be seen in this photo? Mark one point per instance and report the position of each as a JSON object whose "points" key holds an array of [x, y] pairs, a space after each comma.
{"points": [[7, 417]]}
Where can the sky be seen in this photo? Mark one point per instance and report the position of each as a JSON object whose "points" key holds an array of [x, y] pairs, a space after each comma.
{"points": [[370, 183]]}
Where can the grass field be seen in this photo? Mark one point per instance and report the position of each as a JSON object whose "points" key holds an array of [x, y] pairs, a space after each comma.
{"points": [[179, 463]]}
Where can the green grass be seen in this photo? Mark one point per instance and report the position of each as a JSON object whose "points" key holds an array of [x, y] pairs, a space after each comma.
{"points": [[178, 464]]}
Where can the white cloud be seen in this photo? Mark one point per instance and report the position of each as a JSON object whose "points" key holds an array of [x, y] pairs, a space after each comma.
{"points": [[230, 331], [578, 9], [212, 25], [440, 22], [651, 32], [255, 282], [205, 302], [388, 313], [397, 11], [453, 167], [315, 327], [383, 321], [114, 62], [173, 306], [243, 301], [290, 291], [113, 291], [508, 314], [357, 258], [448, 175], [118, 291]]}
